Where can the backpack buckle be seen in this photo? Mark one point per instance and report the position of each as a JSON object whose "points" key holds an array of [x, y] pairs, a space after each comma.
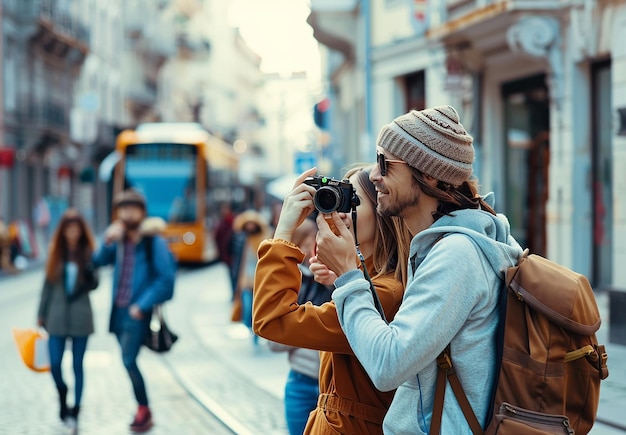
{"points": [[443, 361]]}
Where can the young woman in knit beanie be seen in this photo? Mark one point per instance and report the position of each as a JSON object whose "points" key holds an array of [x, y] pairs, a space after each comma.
{"points": [[459, 251]]}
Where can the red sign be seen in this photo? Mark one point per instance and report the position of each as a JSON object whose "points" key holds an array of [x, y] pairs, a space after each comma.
{"points": [[419, 16], [7, 157], [64, 171]]}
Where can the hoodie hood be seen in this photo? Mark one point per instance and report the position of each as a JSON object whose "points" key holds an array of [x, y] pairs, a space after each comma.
{"points": [[491, 233], [152, 226], [250, 216]]}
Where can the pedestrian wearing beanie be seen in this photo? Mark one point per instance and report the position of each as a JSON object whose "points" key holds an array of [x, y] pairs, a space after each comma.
{"points": [[143, 276], [458, 253]]}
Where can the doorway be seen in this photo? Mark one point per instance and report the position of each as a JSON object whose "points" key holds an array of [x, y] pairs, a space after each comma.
{"points": [[601, 155], [527, 159]]}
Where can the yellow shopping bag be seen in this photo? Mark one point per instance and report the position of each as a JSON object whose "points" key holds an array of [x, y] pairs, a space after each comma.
{"points": [[33, 348]]}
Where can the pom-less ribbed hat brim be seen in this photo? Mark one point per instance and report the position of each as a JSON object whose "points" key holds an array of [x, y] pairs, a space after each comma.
{"points": [[432, 141]]}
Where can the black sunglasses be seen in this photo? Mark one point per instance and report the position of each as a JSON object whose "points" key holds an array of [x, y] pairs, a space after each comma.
{"points": [[383, 161]]}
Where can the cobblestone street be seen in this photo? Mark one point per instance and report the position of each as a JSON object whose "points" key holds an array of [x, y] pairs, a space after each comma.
{"points": [[193, 389], [214, 381]]}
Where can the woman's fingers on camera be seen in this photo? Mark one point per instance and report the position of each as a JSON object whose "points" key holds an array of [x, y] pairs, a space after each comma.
{"points": [[341, 221], [304, 175]]}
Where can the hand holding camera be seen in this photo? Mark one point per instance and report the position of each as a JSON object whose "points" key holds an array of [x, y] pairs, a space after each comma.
{"points": [[114, 232], [333, 195], [297, 205]]}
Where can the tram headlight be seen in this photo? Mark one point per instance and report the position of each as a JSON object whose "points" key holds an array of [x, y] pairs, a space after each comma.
{"points": [[189, 238]]}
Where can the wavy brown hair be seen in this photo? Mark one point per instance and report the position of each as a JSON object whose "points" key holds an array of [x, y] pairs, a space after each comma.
{"points": [[392, 240], [58, 252], [450, 197]]}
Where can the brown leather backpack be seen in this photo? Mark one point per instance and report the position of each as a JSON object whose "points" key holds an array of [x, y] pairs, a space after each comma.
{"points": [[550, 362]]}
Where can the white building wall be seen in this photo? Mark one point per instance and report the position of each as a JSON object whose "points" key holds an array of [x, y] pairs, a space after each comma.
{"points": [[287, 106], [392, 22], [220, 73], [392, 63]]}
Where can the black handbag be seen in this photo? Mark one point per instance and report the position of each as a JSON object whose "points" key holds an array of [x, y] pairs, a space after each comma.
{"points": [[159, 338]]}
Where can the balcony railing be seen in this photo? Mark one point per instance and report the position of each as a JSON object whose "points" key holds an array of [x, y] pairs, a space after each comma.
{"points": [[62, 21], [458, 8]]}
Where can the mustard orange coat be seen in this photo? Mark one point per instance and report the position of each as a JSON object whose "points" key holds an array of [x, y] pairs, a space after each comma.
{"points": [[349, 403]]}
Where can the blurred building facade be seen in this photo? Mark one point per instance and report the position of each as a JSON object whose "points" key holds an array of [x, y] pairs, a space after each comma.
{"points": [[213, 76], [541, 87], [44, 47], [75, 74]]}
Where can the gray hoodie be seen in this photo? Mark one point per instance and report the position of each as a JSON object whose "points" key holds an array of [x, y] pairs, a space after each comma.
{"points": [[456, 272]]}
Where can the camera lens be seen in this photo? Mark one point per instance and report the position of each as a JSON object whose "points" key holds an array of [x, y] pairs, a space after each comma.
{"points": [[327, 199]]}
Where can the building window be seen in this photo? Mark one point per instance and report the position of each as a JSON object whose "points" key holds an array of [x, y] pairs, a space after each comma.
{"points": [[415, 91]]}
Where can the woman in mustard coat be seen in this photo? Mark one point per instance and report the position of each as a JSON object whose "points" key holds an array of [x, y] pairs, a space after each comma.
{"points": [[348, 402]]}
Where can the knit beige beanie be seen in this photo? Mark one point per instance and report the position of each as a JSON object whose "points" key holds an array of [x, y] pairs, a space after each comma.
{"points": [[432, 141]]}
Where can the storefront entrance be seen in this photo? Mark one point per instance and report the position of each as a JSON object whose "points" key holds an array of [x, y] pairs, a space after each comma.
{"points": [[527, 159], [602, 268]]}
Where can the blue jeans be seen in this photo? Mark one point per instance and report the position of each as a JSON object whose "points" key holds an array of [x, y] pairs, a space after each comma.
{"points": [[131, 334], [246, 311], [56, 346], [246, 307], [301, 393]]}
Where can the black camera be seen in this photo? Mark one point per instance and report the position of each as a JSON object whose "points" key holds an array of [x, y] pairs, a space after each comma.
{"points": [[333, 195]]}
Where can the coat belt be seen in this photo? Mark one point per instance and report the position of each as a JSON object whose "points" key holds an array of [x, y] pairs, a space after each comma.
{"points": [[350, 407]]}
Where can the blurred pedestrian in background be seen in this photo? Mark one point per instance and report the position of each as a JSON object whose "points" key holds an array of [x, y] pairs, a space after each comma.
{"points": [[64, 308], [6, 262], [302, 387], [349, 403], [143, 277], [250, 228], [224, 233], [275, 209], [22, 243]]}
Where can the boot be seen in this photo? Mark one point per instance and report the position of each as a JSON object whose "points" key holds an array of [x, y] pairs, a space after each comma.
{"points": [[64, 411], [72, 419]]}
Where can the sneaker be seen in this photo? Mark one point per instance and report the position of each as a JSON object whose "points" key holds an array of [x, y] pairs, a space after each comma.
{"points": [[143, 420]]}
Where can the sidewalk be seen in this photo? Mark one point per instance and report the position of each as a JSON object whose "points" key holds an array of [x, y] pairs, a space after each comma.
{"points": [[267, 371], [216, 362], [29, 404], [238, 381], [613, 389]]}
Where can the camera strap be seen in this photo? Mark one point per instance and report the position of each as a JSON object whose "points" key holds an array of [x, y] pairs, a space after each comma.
{"points": [[377, 304]]}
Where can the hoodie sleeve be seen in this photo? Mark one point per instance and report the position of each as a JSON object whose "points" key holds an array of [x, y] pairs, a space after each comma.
{"points": [[437, 302], [105, 255], [161, 286]]}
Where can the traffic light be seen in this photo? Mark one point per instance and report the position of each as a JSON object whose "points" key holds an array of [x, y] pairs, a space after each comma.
{"points": [[321, 114]]}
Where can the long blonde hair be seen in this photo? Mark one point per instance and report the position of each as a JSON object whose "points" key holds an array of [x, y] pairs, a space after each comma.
{"points": [[392, 239]]}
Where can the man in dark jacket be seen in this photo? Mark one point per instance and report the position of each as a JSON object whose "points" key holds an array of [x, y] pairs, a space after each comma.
{"points": [[143, 277]]}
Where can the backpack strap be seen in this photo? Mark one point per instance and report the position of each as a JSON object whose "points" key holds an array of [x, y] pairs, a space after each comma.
{"points": [[446, 370], [149, 248]]}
